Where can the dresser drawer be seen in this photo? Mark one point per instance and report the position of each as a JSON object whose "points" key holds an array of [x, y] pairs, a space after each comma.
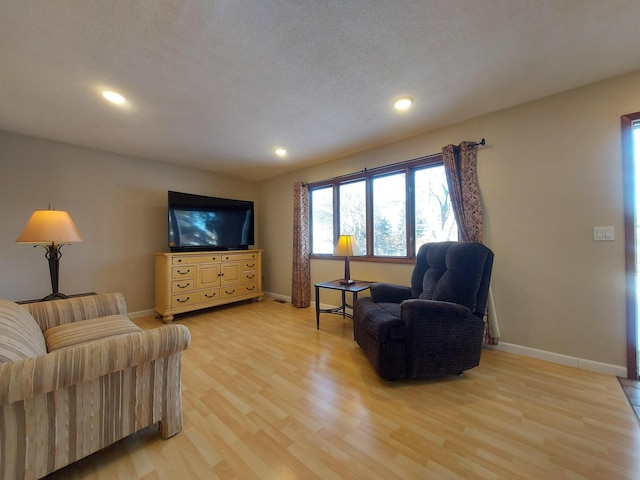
{"points": [[238, 290], [182, 300], [238, 257], [209, 295], [183, 271], [195, 259], [192, 298], [250, 276], [250, 265], [182, 285]]}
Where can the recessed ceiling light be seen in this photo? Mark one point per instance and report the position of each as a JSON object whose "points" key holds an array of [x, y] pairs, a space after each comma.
{"points": [[281, 152], [403, 103], [114, 97]]}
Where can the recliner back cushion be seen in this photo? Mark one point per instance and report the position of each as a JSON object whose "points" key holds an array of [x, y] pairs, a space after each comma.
{"points": [[454, 273], [20, 335]]}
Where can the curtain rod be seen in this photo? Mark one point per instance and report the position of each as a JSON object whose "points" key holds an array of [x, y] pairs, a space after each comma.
{"points": [[339, 177], [477, 144]]}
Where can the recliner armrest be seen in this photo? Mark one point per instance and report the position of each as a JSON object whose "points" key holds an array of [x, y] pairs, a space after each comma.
{"points": [[426, 310], [389, 293]]}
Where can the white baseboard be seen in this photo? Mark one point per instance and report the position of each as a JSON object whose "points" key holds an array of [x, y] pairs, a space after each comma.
{"points": [[141, 313], [277, 296], [582, 363]]}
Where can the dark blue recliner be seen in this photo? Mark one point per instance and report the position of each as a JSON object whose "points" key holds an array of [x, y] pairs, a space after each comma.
{"points": [[434, 327]]}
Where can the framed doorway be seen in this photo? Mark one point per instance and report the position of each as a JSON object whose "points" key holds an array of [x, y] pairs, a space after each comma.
{"points": [[630, 175]]}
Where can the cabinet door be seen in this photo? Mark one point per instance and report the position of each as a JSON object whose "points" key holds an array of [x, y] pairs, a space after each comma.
{"points": [[208, 275], [231, 273]]}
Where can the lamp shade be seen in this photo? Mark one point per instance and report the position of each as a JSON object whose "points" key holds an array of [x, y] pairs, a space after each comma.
{"points": [[50, 226], [346, 246]]}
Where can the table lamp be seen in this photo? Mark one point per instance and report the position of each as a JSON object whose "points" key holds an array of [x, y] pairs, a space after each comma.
{"points": [[346, 246], [50, 229]]}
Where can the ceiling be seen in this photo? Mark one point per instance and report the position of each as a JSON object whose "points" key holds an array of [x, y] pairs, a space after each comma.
{"points": [[217, 84]]}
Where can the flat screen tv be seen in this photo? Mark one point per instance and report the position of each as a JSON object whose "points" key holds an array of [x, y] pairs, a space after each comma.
{"points": [[199, 223]]}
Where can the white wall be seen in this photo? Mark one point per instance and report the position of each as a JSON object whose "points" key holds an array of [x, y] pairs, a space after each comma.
{"points": [[550, 172], [118, 203]]}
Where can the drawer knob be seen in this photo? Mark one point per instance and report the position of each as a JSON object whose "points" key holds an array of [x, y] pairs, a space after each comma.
{"points": [[229, 292], [185, 272], [183, 286], [182, 301], [210, 295]]}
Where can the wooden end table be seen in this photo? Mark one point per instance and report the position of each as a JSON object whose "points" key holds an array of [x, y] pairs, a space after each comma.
{"points": [[354, 288]]}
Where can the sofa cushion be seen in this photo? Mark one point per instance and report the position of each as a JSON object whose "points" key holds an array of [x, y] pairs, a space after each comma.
{"points": [[20, 336], [75, 333]]}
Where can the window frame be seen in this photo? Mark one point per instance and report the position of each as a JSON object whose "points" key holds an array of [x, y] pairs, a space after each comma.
{"points": [[406, 167]]}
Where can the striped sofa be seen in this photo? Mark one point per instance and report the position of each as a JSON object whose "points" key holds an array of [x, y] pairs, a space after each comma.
{"points": [[77, 375]]}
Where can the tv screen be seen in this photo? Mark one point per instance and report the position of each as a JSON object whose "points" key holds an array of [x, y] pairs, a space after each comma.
{"points": [[197, 222]]}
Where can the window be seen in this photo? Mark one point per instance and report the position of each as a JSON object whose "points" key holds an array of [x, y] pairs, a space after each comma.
{"points": [[322, 220], [352, 208], [391, 210], [389, 215]]}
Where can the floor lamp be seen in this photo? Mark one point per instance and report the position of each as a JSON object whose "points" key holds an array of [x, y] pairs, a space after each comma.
{"points": [[50, 229], [346, 246]]}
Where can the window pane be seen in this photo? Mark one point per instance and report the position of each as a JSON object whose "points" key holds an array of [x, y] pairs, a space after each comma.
{"points": [[389, 216], [322, 220], [352, 212], [435, 221]]}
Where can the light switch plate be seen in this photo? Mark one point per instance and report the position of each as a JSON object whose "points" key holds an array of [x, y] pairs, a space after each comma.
{"points": [[603, 234]]}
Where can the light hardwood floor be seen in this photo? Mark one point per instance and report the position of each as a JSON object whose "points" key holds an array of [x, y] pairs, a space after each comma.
{"points": [[267, 396]]}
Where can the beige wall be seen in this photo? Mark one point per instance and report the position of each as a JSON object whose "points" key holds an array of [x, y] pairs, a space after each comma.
{"points": [[550, 172], [118, 203]]}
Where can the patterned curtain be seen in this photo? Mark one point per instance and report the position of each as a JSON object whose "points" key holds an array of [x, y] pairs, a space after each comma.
{"points": [[301, 274], [460, 167]]}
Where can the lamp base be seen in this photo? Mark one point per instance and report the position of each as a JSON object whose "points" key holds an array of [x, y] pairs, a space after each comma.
{"points": [[346, 281], [54, 296]]}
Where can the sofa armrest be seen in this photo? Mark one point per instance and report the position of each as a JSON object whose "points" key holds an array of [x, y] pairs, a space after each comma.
{"points": [[58, 312], [33, 376], [389, 293]]}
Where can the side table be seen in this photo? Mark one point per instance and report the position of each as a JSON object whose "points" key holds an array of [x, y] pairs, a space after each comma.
{"points": [[354, 288]]}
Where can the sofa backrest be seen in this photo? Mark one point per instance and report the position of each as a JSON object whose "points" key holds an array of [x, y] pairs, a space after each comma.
{"points": [[457, 272], [20, 335], [58, 312]]}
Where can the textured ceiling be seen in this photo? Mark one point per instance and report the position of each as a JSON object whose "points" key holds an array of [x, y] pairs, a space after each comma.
{"points": [[217, 84]]}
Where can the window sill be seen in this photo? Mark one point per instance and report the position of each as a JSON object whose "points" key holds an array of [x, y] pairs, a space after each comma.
{"points": [[362, 258]]}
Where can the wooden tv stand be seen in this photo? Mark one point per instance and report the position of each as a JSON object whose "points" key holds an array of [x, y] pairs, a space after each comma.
{"points": [[190, 281]]}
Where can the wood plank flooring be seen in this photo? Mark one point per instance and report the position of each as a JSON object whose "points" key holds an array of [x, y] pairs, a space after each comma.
{"points": [[267, 396]]}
